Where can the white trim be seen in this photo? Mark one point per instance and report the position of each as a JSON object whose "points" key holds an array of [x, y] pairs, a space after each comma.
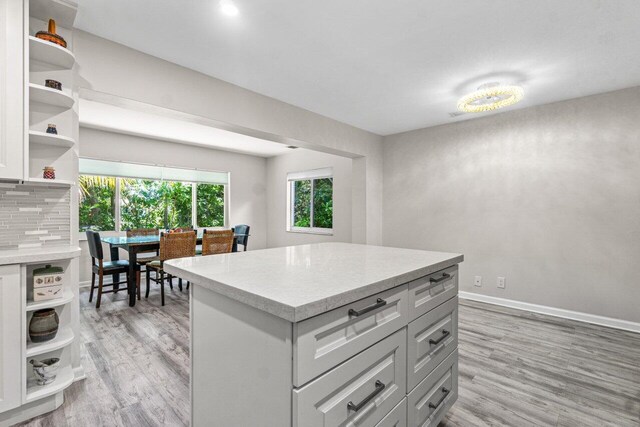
{"points": [[311, 230], [553, 311], [310, 174]]}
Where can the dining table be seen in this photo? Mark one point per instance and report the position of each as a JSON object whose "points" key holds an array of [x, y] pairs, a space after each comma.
{"points": [[142, 244]]}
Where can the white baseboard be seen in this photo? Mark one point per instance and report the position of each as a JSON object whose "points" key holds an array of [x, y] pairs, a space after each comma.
{"points": [[556, 312]]}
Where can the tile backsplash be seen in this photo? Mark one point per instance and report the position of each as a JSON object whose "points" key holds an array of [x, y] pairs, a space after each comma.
{"points": [[34, 216]]}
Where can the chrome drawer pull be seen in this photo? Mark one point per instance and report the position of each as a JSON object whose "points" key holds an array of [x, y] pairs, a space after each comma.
{"points": [[379, 387], [445, 276], [379, 303], [446, 393], [445, 334]]}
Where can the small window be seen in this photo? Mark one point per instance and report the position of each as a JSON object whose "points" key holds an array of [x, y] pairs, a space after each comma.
{"points": [[310, 201]]}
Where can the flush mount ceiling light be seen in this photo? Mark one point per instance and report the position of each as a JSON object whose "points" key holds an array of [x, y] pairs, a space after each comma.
{"points": [[228, 8], [490, 96]]}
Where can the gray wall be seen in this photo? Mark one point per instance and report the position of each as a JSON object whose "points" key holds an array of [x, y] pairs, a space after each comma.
{"points": [[303, 160], [548, 197]]}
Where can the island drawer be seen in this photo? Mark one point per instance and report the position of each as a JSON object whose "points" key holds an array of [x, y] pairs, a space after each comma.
{"points": [[359, 392], [429, 401], [428, 292], [324, 341], [397, 417], [430, 339]]}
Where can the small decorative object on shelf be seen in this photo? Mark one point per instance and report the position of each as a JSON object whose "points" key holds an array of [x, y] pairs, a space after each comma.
{"points": [[51, 128], [45, 370], [51, 35], [47, 283], [49, 172], [44, 325], [53, 84]]}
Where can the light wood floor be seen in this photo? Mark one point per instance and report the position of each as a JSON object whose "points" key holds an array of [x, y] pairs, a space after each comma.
{"points": [[516, 369]]}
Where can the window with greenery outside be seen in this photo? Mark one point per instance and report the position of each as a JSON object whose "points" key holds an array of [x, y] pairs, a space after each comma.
{"points": [[97, 203], [316, 208], [155, 204], [210, 205]]}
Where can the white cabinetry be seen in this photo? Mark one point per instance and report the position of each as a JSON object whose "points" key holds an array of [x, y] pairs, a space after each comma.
{"points": [[11, 90], [10, 337]]}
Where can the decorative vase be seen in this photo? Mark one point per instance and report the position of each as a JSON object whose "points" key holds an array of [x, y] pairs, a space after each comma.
{"points": [[51, 36], [44, 325], [51, 128], [45, 370], [49, 172], [53, 84]]}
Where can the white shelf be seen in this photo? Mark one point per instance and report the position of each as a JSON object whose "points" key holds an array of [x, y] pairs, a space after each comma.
{"points": [[63, 11], [67, 297], [50, 53], [49, 96], [43, 138], [53, 182], [62, 381], [63, 338]]}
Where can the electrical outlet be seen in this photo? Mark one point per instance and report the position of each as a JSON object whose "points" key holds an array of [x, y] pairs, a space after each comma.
{"points": [[502, 282], [478, 281]]}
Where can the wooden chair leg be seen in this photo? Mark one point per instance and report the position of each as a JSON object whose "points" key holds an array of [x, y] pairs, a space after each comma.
{"points": [[146, 294], [100, 277], [188, 283], [162, 286], [93, 284], [170, 281], [180, 284], [138, 284]]}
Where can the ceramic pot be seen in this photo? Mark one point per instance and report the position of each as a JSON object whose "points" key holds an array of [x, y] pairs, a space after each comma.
{"points": [[53, 84], [44, 325], [49, 173], [45, 370]]}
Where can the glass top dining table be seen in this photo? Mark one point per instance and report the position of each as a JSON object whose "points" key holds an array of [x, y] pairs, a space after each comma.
{"points": [[141, 244]]}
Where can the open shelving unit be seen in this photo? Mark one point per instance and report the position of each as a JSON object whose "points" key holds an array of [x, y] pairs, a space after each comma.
{"points": [[37, 137], [64, 378], [64, 337], [52, 54], [67, 297], [48, 96]]}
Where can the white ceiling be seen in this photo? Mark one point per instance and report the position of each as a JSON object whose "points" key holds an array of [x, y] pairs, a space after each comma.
{"points": [[102, 116], [385, 65]]}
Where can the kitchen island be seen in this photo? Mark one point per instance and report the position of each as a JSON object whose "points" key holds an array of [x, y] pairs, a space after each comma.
{"points": [[326, 334]]}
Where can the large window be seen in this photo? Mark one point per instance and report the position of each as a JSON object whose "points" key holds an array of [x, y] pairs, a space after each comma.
{"points": [[118, 203], [310, 201]]}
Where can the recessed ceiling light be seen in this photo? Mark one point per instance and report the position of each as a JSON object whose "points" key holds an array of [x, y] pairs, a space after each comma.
{"points": [[229, 8], [490, 96]]}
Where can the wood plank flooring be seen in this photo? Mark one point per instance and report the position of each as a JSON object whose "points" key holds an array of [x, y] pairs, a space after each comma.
{"points": [[516, 369]]}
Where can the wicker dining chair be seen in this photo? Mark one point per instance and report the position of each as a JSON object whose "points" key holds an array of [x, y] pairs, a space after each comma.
{"points": [[172, 245], [217, 242]]}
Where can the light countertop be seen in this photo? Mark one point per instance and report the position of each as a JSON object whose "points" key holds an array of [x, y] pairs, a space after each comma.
{"points": [[298, 282], [29, 256]]}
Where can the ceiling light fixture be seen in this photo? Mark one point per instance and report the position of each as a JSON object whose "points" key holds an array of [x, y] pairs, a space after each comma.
{"points": [[228, 8], [489, 97]]}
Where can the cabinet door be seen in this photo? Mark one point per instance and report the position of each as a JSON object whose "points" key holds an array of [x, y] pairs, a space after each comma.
{"points": [[10, 345], [12, 89]]}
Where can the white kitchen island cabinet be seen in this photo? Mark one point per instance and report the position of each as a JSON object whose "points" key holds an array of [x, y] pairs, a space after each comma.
{"points": [[329, 334]]}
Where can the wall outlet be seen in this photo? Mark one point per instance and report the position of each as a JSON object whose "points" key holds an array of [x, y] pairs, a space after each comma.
{"points": [[502, 282], [478, 281]]}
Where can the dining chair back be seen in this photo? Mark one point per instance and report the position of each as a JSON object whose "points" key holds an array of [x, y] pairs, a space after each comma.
{"points": [[95, 246], [217, 242], [242, 231], [172, 245], [177, 245]]}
